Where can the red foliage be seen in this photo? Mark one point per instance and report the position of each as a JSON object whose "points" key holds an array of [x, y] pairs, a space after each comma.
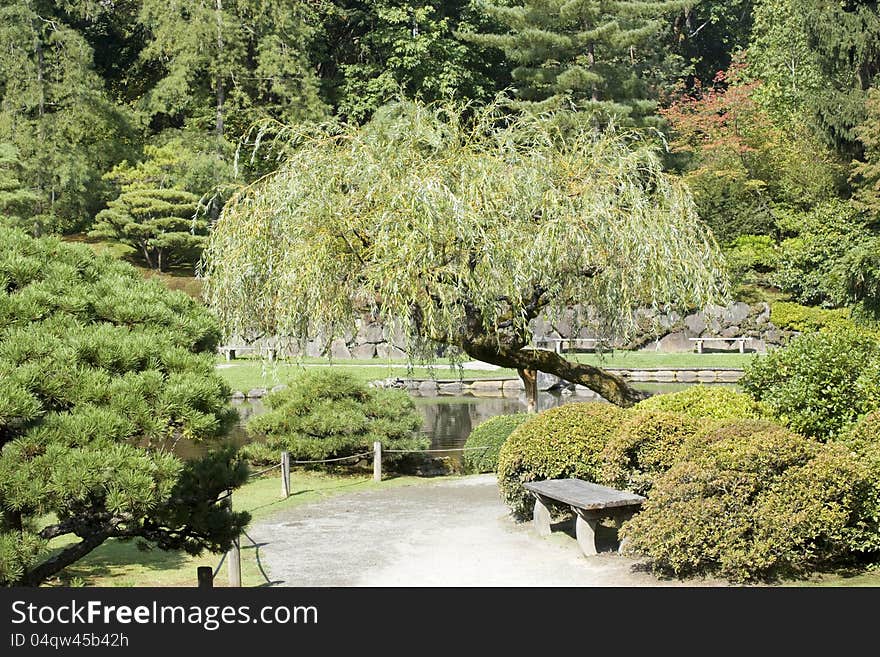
{"points": [[721, 116]]}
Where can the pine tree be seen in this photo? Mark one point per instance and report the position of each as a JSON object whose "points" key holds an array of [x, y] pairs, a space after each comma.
{"points": [[818, 58], [101, 374], [56, 112], [378, 50], [17, 202], [590, 54], [152, 213]]}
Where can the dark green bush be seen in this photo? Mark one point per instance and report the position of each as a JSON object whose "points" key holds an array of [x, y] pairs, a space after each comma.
{"points": [[749, 501], [325, 414], [645, 446], [820, 382], [489, 435], [566, 441], [701, 401]]}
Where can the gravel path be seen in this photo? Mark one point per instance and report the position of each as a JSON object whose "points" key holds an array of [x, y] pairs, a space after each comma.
{"points": [[453, 532]]}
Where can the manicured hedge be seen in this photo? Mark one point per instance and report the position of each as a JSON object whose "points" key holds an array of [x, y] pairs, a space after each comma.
{"points": [[643, 447], [702, 401], [566, 441], [750, 500], [489, 435]]}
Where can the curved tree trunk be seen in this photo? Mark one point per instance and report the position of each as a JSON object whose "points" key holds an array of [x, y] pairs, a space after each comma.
{"points": [[491, 349]]}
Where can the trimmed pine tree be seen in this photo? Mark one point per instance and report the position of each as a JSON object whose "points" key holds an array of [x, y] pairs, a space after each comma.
{"points": [[101, 374]]}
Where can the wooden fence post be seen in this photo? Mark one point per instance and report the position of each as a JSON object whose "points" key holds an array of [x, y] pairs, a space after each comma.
{"points": [[206, 577], [285, 474], [377, 461], [234, 555]]}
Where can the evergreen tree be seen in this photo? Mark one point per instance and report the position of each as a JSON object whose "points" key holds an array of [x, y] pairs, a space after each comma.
{"points": [[591, 54], [378, 50], [866, 174], [101, 374], [54, 110], [226, 63], [820, 58], [152, 213], [17, 202]]}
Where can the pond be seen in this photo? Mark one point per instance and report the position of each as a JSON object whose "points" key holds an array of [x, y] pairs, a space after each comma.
{"points": [[447, 419]]}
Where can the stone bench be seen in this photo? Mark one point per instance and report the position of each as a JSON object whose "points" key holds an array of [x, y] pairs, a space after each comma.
{"points": [[740, 342], [590, 502], [572, 343], [231, 351]]}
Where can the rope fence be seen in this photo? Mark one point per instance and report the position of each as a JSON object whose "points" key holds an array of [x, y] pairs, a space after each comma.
{"points": [[206, 574]]}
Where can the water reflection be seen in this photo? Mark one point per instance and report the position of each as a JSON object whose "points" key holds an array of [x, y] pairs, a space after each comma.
{"points": [[448, 419]]}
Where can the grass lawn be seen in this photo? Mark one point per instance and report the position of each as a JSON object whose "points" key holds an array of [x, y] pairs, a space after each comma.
{"points": [[246, 374], [118, 563], [649, 359]]}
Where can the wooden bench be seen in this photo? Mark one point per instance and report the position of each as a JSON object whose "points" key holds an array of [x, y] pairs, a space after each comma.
{"points": [[740, 342], [590, 503]]}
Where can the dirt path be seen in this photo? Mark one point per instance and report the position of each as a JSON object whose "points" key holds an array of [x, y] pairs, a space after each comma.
{"points": [[454, 532]]}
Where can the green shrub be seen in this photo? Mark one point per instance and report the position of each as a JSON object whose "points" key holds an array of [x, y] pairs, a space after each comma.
{"points": [[820, 382], [751, 257], [645, 446], [701, 401], [325, 414], [807, 319], [566, 441], [489, 435], [749, 501], [863, 438]]}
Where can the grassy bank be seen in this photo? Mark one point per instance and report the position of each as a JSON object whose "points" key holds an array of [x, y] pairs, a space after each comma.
{"points": [[119, 563], [246, 373]]}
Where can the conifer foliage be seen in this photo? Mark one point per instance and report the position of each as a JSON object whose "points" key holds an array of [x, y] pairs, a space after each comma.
{"points": [[101, 373], [587, 52]]}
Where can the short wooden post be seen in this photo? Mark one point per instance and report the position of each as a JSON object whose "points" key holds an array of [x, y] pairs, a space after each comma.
{"points": [[233, 557], [377, 461], [285, 474], [206, 577]]}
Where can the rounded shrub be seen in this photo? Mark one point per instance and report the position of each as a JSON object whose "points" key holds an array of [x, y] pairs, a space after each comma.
{"points": [[701, 401], [645, 446], [820, 382], [749, 501], [863, 439], [566, 441], [325, 414], [484, 442]]}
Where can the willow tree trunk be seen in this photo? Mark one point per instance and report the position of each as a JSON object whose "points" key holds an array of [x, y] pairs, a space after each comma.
{"points": [[513, 354], [530, 384]]}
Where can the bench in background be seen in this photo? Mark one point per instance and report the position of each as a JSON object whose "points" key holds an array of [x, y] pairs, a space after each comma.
{"points": [[740, 342], [590, 503], [232, 351]]}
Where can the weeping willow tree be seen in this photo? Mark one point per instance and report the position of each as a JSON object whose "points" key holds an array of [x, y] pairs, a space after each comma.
{"points": [[464, 232]]}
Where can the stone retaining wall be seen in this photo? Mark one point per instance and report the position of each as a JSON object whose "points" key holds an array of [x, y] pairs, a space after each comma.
{"points": [[664, 332]]}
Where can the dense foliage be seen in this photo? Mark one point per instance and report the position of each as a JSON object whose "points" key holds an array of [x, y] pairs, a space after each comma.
{"points": [[566, 441], [486, 439], [101, 374], [820, 382], [464, 233], [330, 415], [747, 501], [645, 446], [702, 401]]}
